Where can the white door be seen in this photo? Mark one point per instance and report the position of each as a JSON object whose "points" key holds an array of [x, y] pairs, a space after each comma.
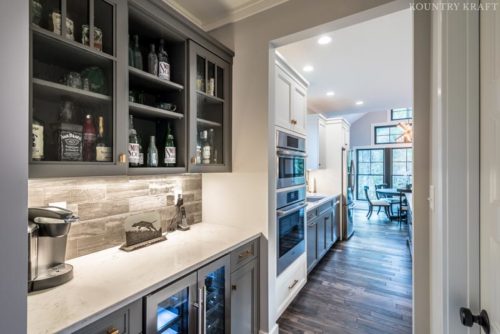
{"points": [[490, 165], [283, 98], [299, 109]]}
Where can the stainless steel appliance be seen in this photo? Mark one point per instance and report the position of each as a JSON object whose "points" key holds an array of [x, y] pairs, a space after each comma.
{"points": [[197, 303], [290, 229], [291, 153], [48, 229], [347, 198]]}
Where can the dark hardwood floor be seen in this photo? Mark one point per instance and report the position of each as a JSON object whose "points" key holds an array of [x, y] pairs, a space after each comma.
{"points": [[363, 285]]}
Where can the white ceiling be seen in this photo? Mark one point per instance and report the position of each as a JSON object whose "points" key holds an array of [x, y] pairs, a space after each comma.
{"points": [[211, 14], [370, 61]]}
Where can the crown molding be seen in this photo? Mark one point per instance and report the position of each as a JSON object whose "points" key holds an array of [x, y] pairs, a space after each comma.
{"points": [[184, 12]]}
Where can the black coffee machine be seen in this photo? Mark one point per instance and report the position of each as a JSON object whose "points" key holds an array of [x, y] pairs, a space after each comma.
{"points": [[48, 229]]}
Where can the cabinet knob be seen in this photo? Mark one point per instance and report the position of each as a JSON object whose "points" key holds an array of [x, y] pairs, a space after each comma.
{"points": [[193, 159], [293, 121], [122, 159], [113, 331], [234, 287]]}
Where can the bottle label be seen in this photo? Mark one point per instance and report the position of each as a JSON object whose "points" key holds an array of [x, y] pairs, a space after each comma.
{"points": [[103, 154], [70, 145], [170, 155], [37, 142], [89, 137], [206, 154], [133, 153], [164, 70]]}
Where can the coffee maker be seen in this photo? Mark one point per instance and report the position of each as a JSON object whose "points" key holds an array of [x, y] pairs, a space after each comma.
{"points": [[48, 229]]}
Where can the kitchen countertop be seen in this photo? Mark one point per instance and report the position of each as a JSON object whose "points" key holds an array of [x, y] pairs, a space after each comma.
{"points": [[314, 205], [110, 279]]}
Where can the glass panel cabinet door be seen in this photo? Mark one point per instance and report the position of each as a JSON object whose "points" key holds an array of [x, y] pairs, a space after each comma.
{"points": [[210, 145], [171, 310], [213, 281]]}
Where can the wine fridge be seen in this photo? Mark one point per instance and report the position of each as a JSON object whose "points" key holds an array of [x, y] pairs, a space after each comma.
{"points": [[195, 304]]}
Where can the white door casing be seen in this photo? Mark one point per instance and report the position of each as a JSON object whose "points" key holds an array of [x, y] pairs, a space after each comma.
{"points": [[490, 165]]}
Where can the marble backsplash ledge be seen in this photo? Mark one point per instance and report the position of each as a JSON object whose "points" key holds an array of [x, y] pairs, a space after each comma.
{"points": [[103, 204]]}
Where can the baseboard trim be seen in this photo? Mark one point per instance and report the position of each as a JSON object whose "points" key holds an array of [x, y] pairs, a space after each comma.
{"points": [[274, 330]]}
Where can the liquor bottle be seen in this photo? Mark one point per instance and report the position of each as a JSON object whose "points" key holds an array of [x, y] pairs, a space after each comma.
{"points": [[152, 60], [103, 152], [170, 154], [163, 64], [206, 150], [37, 140], [69, 136], [152, 153], [211, 140], [199, 146], [130, 52], [133, 144], [89, 139], [141, 151], [137, 54]]}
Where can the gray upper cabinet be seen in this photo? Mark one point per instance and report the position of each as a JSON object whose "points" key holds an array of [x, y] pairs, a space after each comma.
{"points": [[210, 111], [83, 68], [77, 71]]}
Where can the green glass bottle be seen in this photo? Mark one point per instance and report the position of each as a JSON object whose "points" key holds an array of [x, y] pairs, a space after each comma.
{"points": [[170, 154]]}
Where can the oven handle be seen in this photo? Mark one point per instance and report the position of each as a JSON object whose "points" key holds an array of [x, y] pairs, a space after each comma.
{"points": [[289, 153], [281, 213]]}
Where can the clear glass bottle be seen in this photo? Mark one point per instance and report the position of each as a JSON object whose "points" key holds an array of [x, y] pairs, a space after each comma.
{"points": [[170, 154], [141, 151], [130, 52], [211, 142], [163, 63], [133, 144], [137, 54], [103, 152], [152, 153], [206, 150], [152, 60]]}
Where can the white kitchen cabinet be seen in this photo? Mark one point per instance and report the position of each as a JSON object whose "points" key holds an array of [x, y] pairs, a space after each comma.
{"points": [[316, 142], [290, 98]]}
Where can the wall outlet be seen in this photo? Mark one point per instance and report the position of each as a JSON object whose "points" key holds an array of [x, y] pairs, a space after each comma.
{"points": [[63, 205]]}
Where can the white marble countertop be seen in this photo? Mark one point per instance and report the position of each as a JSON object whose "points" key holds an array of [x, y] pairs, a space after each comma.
{"points": [[325, 198], [110, 279]]}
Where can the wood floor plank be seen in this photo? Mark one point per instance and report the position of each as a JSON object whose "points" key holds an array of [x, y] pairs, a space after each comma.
{"points": [[362, 286]]}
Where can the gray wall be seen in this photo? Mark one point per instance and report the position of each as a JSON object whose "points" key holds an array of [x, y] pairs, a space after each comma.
{"points": [[14, 23], [361, 130]]}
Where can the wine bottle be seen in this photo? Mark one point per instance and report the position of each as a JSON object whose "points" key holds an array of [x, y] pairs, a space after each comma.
{"points": [[206, 150], [137, 54], [152, 153], [89, 139], [152, 60], [103, 152], [170, 154], [163, 64], [133, 144]]}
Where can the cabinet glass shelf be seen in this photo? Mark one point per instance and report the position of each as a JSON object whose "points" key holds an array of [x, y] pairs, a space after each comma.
{"points": [[52, 91], [206, 123], [209, 98], [148, 80], [147, 111]]}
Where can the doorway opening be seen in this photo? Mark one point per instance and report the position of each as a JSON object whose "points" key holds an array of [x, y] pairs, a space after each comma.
{"points": [[360, 152]]}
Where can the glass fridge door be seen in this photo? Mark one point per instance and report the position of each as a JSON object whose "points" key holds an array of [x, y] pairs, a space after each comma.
{"points": [[214, 283], [170, 310]]}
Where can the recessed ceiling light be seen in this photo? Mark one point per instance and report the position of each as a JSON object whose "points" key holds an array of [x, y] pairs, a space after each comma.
{"points": [[308, 68], [324, 40], [330, 93], [359, 103]]}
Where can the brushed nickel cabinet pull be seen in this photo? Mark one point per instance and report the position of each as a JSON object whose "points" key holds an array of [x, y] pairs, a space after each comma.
{"points": [[293, 284], [245, 254], [122, 158]]}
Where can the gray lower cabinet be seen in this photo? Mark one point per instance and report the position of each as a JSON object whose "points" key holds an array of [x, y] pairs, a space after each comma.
{"points": [[244, 299], [322, 233], [127, 320]]}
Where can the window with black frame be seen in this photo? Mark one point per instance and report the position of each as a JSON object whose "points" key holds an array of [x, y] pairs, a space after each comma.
{"points": [[401, 114], [402, 165], [388, 134], [370, 167]]}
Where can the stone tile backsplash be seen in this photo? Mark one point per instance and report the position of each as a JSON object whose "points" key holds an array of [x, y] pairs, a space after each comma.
{"points": [[103, 204]]}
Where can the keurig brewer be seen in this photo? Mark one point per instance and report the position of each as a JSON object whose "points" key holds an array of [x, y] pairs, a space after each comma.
{"points": [[48, 229]]}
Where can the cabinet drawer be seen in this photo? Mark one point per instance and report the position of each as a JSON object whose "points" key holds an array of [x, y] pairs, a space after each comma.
{"points": [[244, 254], [290, 282], [325, 207], [127, 320], [311, 214]]}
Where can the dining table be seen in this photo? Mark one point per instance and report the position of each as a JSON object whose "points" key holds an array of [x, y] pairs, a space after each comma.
{"points": [[394, 192]]}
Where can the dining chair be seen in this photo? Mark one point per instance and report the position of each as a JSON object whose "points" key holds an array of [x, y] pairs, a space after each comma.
{"points": [[380, 203], [392, 201]]}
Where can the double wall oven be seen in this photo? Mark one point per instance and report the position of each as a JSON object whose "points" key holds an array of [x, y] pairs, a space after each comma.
{"points": [[290, 199]]}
